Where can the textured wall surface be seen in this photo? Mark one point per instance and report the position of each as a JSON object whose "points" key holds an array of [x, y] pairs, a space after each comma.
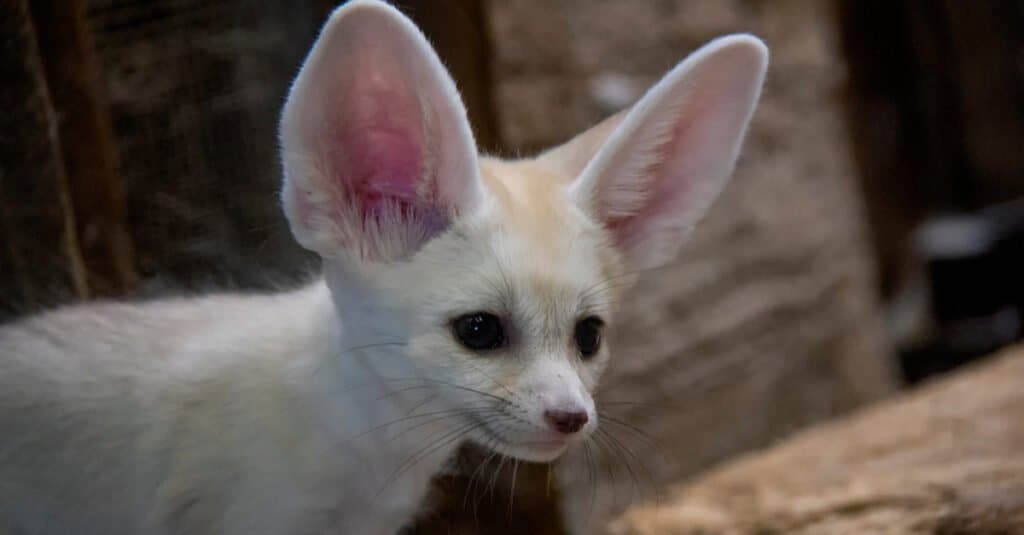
{"points": [[768, 322], [195, 89], [945, 460]]}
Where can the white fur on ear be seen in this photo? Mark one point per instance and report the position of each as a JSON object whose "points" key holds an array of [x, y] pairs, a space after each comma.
{"points": [[378, 154], [662, 163]]}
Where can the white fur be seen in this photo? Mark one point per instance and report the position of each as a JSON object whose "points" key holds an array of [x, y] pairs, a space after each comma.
{"points": [[328, 409]]}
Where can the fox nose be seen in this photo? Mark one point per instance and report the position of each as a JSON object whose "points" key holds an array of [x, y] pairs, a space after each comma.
{"points": [[566, 422]]}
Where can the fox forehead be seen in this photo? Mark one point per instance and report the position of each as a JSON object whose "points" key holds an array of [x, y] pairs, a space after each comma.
{"points": [[532, 198], [541, 231], [533, 209], [531, 254]]}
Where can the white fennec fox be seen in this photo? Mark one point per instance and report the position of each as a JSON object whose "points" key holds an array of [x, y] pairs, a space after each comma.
{"points": [[463, 298]]}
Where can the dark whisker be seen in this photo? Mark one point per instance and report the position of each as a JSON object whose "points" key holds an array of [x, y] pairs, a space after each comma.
{"points": [[547, 486], [601, 443], [415, 417], [512, 493], [432, 447], [639, 433], [639, 462], [441, 418], [591, 477], [500, 399], [617, 446]]}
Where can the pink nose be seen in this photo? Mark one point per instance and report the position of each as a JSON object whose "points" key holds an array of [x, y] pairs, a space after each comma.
{"points": [[566, 422]]}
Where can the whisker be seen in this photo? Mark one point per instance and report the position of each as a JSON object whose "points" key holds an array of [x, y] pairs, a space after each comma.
{"points": [[494, 477], [512, 493], [639, 462], [432, 447], [431, 444], [371, 346], [613, 443], [600, 442], [640, 433], [440, 418], [414, 417], [492, 379], [477, 471], [591, 477], [432, 380], [604, 282], [420, 405], [547, 486]]}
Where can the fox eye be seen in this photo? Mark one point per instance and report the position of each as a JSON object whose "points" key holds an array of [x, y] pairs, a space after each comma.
{"points": [[588, 336], [479, 331]]}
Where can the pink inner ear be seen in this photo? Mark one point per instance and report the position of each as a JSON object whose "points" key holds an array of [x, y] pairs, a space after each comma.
{"points": [[377, 148], [381, 164], [663, 188]]}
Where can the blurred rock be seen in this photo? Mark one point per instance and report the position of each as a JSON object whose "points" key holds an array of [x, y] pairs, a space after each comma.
{"points": [[769, 321], [947, 459]]}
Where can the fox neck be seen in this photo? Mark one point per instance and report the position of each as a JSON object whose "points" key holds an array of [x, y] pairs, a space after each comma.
{"points": [[364, 378], [360, 388], [365, 321]]}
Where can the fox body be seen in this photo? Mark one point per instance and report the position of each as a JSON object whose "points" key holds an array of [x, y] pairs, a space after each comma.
{"points": [[463, 298]]}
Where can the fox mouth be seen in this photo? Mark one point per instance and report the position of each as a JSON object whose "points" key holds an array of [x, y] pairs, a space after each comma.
{"points": [[533, 450]]}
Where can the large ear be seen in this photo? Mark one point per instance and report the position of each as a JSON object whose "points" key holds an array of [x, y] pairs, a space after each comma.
{"points": [[378, 155], [650, 173]]}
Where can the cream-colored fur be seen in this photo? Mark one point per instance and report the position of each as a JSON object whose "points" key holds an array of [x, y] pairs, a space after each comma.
{"points": [[329, 408]]}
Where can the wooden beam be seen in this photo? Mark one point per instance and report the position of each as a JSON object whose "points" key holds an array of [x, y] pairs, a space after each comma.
{"points": [[89, 149], [40, 260]]}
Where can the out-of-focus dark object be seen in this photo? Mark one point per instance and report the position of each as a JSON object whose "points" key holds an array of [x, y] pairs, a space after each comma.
{"points": [[970, 299], [935, 101]]}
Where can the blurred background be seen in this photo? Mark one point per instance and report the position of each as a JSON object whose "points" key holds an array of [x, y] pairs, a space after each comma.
{"points": [[873, 237]]}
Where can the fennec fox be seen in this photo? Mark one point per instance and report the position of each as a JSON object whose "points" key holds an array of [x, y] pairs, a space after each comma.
{"points": [[463, 298]]}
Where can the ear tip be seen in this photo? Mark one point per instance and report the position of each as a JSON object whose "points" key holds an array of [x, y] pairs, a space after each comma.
{"points": [[745, 45], [354, 11], [362, 6], [378, 21]]}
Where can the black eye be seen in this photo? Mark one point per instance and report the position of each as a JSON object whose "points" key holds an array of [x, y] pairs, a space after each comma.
{"points": [[588, 336], [479, 331]]}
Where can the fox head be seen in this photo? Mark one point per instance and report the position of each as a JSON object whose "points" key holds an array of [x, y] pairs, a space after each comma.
{"points": [[499, 277]]}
